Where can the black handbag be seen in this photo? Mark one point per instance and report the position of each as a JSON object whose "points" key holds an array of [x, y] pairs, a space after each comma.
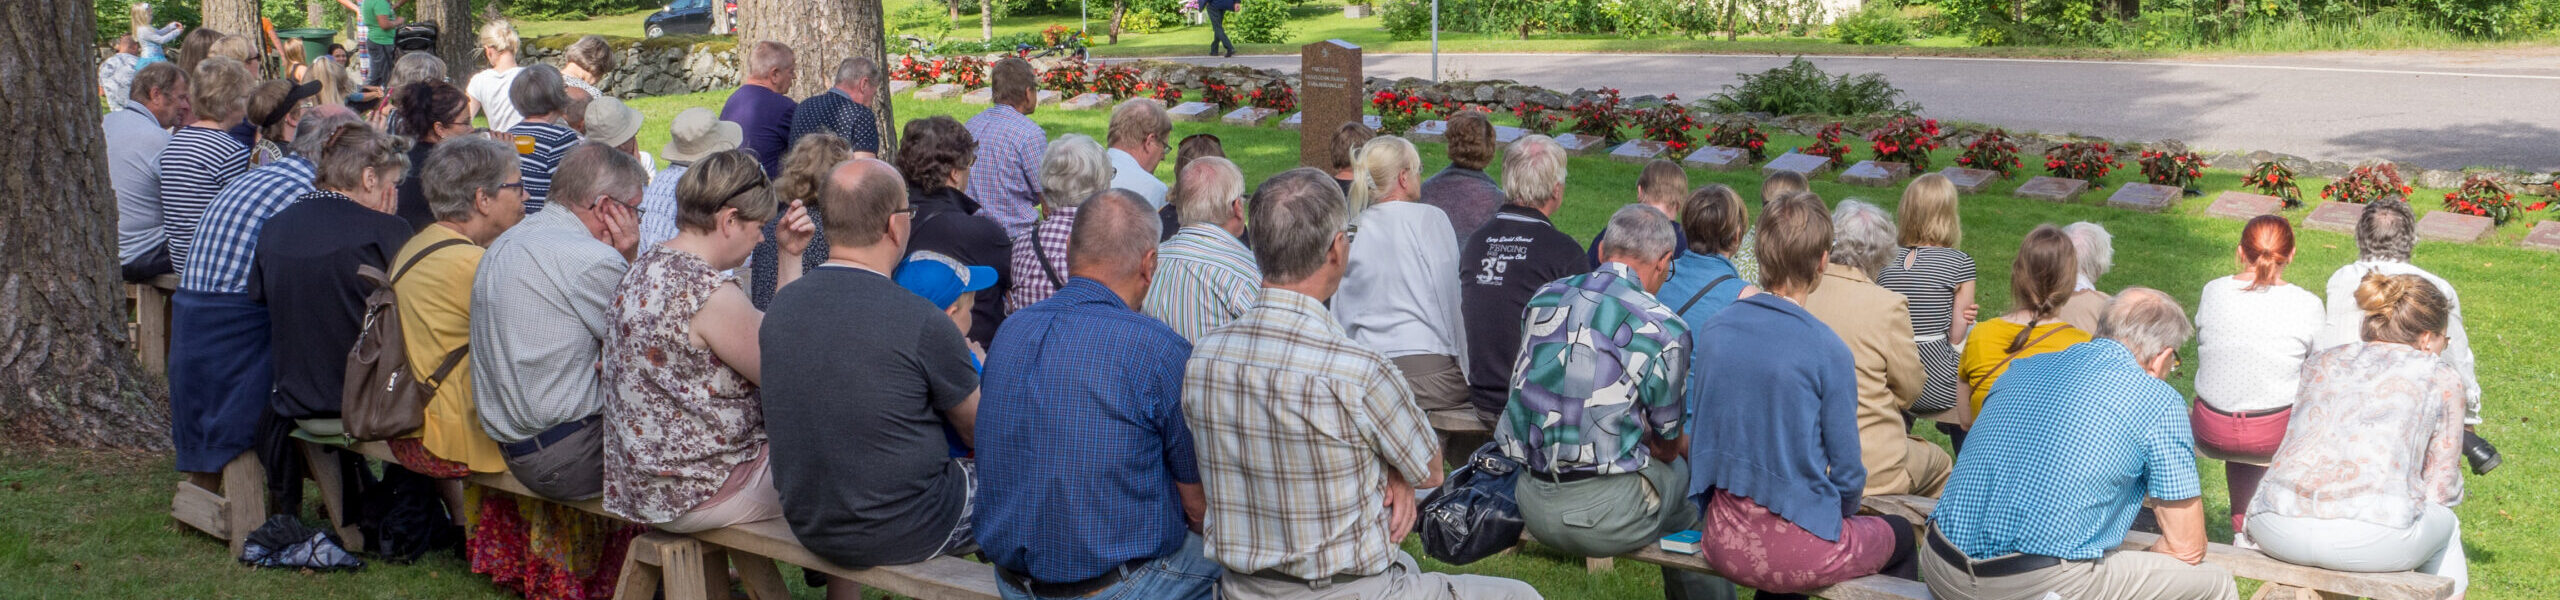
{"points": [[1475, 514]]}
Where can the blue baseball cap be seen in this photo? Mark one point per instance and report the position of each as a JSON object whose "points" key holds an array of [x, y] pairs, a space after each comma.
{"points": [[941, 279]]}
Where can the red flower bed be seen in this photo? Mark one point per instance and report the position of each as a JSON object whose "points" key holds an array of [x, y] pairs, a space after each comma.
{"points": [[2482, 196], [1601, 116], [1669, 123], [1071, 78], [1906, 140], [2082, 160], [1991, 151], [2274, 179], [1400, 110], [2174, 169], [1827, 143], [2366, 184], [1275, 95], [1740, 133]]}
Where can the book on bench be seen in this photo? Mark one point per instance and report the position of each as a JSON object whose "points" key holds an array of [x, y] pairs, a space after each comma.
{"points": [[1685, 542]]}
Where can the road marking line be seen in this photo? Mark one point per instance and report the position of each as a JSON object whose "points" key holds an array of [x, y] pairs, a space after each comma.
{"points": [[1952, 58]]}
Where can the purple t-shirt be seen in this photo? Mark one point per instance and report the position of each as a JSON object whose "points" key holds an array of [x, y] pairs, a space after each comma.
{"points": [[765, 115]]}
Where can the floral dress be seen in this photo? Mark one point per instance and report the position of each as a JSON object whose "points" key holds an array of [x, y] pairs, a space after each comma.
{"points": [[680, 419]]}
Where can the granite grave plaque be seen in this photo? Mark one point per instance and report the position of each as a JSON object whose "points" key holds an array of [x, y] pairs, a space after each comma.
{"points": [[2053, 189], [2145, 197], [2449, 226], [1638, 151], [1970, 181], [1194, 111], [2243, 206], [1717, 158], [2339, 217], [1801, 164], [2545, 237], [1332, 92]]}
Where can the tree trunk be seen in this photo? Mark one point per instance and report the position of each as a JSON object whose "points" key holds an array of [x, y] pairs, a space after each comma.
{"points": [[65, 364], [822, 33], [315, 13], [235, 17], [457, 41], [720, 24], [986, 19], [1119, 8]]}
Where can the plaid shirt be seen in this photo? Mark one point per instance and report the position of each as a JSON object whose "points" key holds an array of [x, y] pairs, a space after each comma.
{"points": [[1601, 365], [1295, 427], [228, 235], [658, 206], [1007, 176], [1204, 278], [1031, 283], [834, 112]]}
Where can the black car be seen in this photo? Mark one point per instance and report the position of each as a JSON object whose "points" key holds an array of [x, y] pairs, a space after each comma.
{"points": [[691, 17]]}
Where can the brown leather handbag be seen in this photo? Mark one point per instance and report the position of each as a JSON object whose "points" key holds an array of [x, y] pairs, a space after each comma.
{"points": [[383, 400]]}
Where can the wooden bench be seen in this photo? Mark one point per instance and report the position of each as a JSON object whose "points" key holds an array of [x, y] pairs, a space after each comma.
{"points": [[150, 302], [690, 567], [231, 504], [2283, 580]]}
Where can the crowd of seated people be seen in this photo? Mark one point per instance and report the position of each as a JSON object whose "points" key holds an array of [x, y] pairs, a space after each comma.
{"points": [[1110, 383]]}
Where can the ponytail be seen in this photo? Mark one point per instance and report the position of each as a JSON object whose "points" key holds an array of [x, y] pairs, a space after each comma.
{"points": [[2019, 344], [1375, 165], [2266, 245], [1363, 185]]}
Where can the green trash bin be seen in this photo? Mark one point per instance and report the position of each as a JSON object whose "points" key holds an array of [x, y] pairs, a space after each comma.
{"points": [[315, 40]]}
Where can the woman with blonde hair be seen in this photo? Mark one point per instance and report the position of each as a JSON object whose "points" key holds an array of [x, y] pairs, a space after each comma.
{"points": [[2371, 464], [2253, 333], [335, 85], [687, 448], [2039, 282], [1399, 294], [804, 174], [1938, 279]]}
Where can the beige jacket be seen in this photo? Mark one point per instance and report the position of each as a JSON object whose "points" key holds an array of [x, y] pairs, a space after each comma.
{"points": [[1876, 324], [2083, 309]]}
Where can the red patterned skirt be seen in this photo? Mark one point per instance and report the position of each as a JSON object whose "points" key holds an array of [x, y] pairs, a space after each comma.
{"points": [[414, 456], [544, 550]]}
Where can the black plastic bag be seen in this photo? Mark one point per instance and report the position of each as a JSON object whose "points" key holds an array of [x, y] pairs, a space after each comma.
{"points": [[1475, 513], [285, 543], [402, 516]]}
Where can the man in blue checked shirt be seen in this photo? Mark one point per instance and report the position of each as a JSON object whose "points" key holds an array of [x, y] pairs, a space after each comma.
{"points": [[2067, 447], [1086, 483]]}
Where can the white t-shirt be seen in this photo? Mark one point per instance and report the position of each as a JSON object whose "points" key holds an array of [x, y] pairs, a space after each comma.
{"points": [[2250, 345], [2346, 321], [489, 88], [1399, 296], [1127, 174]]}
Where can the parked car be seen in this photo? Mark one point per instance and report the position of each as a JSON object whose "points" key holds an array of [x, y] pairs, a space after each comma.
{"points": [[688, 17]]}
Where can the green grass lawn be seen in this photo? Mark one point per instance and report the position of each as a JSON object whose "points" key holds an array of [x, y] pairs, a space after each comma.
{"points": [[84, 524]]}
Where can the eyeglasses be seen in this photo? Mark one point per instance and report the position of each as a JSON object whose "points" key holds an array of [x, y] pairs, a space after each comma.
{"points": [[1350, 231], [634, 205]]}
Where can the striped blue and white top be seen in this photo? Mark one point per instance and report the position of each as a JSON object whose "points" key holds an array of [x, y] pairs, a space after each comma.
{"points": [[550, 142], [193, 168], [2065, 450]]}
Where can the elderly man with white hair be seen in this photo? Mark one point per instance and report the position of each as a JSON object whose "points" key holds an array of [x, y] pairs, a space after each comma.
{"points": [[1876, 324], [1598, 413], [2041, 498], [1140, 137], [1204, 275], [1505, 262], [844, 109], [1073, 170], [760, 108], [2097, 251]]}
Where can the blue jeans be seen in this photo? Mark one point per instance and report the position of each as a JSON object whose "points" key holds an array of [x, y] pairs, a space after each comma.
{"points": [[1185, 575]]}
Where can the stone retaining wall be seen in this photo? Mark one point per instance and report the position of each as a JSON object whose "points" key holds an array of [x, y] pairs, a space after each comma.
{"points": [[665, 66]]}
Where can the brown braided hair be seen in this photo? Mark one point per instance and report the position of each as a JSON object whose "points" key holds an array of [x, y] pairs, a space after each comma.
{"points": [[2040, 279]]}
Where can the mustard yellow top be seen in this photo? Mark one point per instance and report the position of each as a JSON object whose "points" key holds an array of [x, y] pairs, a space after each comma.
{"points": [[1988, 343], [435, 318]]}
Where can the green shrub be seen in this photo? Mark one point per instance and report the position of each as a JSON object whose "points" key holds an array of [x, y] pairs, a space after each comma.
{"points": [[1802, 89], [1878, 25], [921, 19], [1261, 22]]}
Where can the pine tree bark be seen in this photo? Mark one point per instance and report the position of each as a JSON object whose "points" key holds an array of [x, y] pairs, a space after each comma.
{"points": [[986, 19], [822, 33], [67, 373], [457, 35], [235, 17]]}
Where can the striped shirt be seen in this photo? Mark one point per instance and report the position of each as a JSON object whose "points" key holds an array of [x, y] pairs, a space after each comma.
{"points": [[1033, 282], [658, 206], [540, 312], [1204, 278], [550, 142], [2060, 460], [1930, 283], [1295, 428], [194, 166], [1007, 176], [227, 237]]}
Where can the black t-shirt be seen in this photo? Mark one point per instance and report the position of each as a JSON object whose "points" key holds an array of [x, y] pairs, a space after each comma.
{"points": [[947, 221], [1501, 266], [858, 372], [305, 272]]}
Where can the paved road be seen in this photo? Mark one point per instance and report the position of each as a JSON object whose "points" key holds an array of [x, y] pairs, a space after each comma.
{"points": [[2436, 110]]}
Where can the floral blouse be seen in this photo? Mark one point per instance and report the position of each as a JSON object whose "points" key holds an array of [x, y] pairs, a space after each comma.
{"points": [[679, 419], [2377, 433]]}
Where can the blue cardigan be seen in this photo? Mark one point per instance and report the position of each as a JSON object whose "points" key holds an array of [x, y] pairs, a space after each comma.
{"points": [[1776, 398]]}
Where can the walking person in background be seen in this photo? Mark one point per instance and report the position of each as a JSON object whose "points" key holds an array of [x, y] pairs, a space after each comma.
{"points": [[2253, 333], [1218, 10], [383, 29]]}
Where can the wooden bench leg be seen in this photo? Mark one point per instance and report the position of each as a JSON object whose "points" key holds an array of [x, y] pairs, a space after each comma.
{"points": [[226, 505], [325, 471], [640, 572], [761, 577], [694, 570], [1599, 565], [151, 328]]}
